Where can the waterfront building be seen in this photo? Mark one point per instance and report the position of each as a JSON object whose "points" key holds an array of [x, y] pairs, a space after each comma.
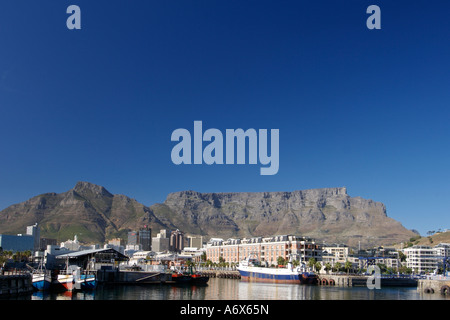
{"points": [[421, 258], [443, 249], [267, 249], [339, 251]]}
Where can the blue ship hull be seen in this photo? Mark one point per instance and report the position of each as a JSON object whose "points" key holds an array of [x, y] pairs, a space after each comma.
{"points": [[276, 275], [41, 282]]}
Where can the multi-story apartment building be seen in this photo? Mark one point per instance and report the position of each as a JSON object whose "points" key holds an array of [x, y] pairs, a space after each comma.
{"points": [[421, 258], [266, 249]]}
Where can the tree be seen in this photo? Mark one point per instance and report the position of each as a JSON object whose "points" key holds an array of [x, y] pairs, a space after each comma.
{"points": [[328, 267], [311, 262], [347, 266], [337, 266], [318, 266], [281, 261]]}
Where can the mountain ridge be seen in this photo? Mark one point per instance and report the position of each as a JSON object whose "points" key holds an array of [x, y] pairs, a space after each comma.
{"points": [[95, 215]]}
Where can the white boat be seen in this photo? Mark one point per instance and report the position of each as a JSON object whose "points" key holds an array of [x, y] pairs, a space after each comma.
{"points": [[41, 280], [250, 270]]}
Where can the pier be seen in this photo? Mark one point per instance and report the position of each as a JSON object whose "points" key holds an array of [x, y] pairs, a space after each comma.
{"points": [[361, 281], [15, 284], [433, 285], [132, 277]]}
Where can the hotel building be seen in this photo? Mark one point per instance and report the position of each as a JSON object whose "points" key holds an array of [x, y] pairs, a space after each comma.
{"points": [[267, 249]]}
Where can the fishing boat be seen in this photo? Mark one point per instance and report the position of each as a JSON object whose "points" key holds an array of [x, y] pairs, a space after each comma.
{"points": [[251, 270], [181, 278], [63, 280], [188, 277], [196, 277], [41, 280], [86, 282]]}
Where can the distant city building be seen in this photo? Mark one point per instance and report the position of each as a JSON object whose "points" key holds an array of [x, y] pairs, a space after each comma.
{"points": [[132, 238], [20, 242], [44, 242], [161, 242], [143, 238], [176, 241], [116, 244], [17, 243], [36, 234], [195, 242]]}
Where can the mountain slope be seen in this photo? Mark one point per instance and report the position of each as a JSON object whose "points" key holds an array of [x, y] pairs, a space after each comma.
{"points": [[87, 210]]}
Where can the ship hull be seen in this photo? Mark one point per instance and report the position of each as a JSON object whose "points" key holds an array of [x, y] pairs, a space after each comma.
{"points": [[41, 282], [64, 282], [273, 275]]}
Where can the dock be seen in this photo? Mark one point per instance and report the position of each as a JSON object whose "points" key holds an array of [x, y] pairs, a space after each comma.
{"points": [[15, 284], [361, 281], [433, 285], [133, 277]]}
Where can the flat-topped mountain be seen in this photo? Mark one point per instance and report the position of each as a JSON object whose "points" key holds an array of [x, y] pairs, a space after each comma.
{"points": [[94, 214], [328, 214]]}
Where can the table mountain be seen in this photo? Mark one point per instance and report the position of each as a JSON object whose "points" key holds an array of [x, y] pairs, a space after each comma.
{"points": [[327, 214], [94, 214]]}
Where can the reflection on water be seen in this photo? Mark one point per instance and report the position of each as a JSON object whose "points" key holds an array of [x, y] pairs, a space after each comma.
{"points": [[228, 289]]}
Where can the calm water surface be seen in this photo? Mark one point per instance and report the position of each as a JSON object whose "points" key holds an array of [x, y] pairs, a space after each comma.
{"points": [[230, 289]]}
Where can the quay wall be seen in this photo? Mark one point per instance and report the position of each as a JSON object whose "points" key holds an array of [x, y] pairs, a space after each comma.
{"points": [[361, 281], [131, 277], [230, 274], [341, 280], [15, 284], [434, 286]]}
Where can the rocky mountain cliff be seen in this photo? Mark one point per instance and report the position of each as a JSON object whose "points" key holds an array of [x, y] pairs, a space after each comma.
{"points": [[328, 214], [94, 214]]}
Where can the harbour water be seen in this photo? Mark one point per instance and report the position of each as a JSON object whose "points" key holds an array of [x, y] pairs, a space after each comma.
{"points": [[231, 289]]}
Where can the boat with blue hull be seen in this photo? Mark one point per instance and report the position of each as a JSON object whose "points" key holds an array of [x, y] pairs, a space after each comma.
{"points": [[87, 282], [41, 281], [250, 270]]}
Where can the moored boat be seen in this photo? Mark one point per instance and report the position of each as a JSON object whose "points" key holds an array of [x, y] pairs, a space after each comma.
{"points": [[41, 280], [198, 279], [64, 282], [181, 278], [87, 282], [250, 270]]}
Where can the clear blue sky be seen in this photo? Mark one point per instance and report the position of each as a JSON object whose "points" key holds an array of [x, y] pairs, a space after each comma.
{"points": [[365, 109]]}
